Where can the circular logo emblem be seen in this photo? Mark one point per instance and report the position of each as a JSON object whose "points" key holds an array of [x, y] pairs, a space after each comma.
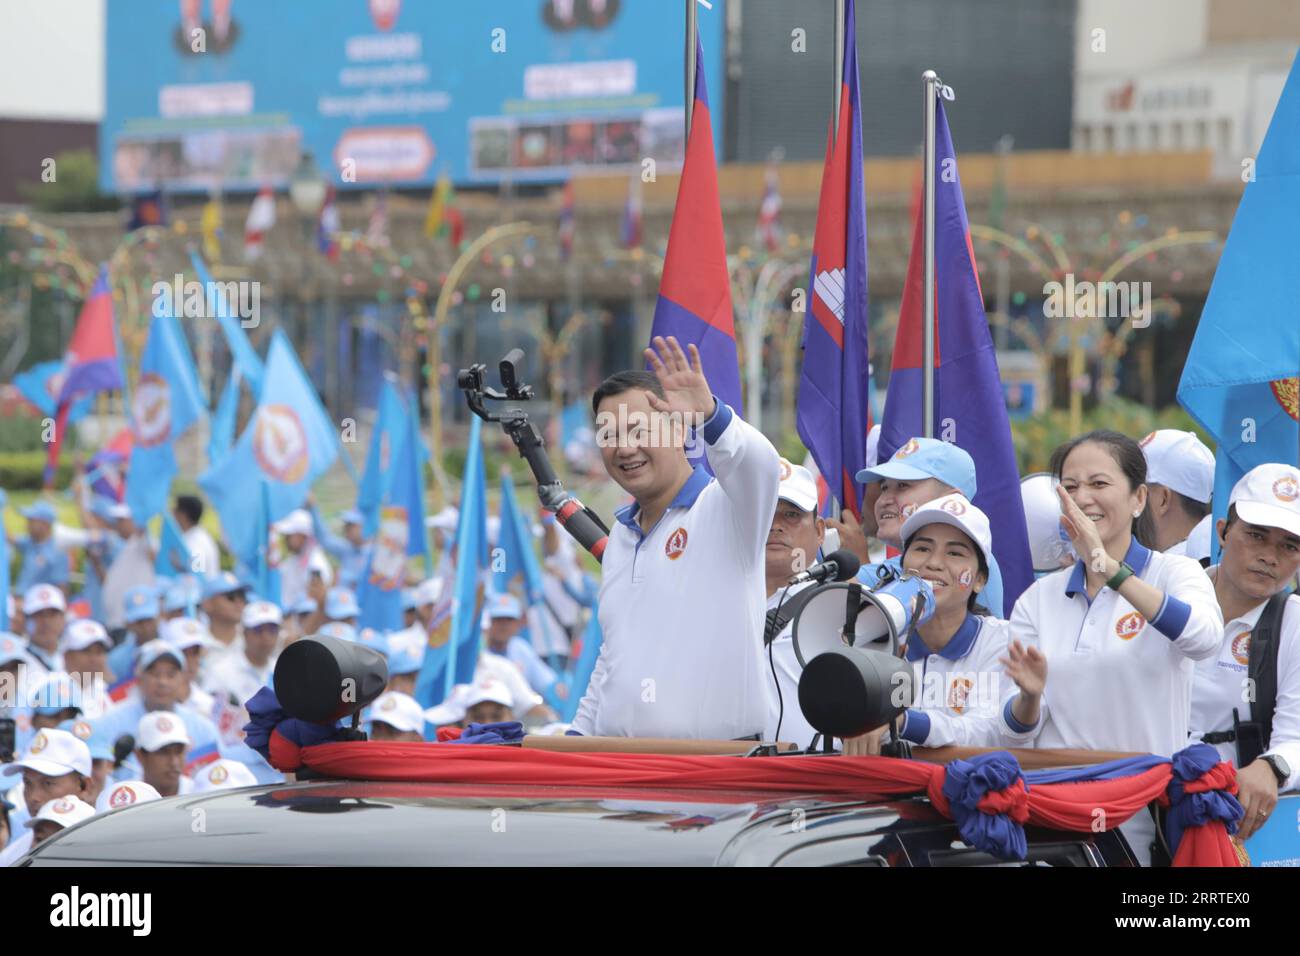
{"points": [[965, 578], [907, 511], [384, 13], [151, 410], [122, 796], [676, 544], [164, 725], [1151, 436], [63, 805], [958, 692], [1128, 626], [389, 704], [280, 444], [785, 469], [953, 507], [218, 774], [81, 730], [1286, 489], [1241, 648], [909, 447], [1286, 391], [39, 742]]}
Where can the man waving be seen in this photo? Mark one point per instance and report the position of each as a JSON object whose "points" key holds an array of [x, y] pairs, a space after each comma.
{"points": [[682, 595]]}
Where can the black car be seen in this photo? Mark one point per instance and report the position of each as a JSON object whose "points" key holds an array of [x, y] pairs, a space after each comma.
{"points": [[345, 822]]}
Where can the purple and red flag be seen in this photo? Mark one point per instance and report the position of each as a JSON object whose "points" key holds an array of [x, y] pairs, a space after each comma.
{"points": [[834, 411], [91, 361], [969, 407], [694, 301], [769, 212]]}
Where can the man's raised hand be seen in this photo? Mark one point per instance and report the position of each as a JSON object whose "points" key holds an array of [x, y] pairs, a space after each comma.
{"points": [[686, 390]]}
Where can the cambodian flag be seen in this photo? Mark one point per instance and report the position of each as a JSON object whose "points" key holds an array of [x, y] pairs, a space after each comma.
{"points": [[834, 413], [969, 407], [91, 361], [769, 213], [695, 291]]}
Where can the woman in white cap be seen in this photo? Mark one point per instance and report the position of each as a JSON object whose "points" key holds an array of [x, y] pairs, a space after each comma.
{"points": [[966, 668], [1123, 627]]}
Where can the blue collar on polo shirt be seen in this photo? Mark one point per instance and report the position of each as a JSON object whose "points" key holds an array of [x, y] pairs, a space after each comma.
{"points": [[955, 649], [1137, 557], [684, 498]]}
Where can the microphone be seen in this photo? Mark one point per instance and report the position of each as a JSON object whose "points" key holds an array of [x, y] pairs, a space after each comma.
{"points": [[838, 566]]}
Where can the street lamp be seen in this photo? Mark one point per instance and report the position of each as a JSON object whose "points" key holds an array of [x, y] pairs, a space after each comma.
{"points": [[307, 188]]}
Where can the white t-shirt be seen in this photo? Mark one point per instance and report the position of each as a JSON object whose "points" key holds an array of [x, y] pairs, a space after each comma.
{"points": [[203, 551]]}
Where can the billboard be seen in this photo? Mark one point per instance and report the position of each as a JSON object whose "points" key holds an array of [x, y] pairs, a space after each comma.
{"points": [[201, 93]]}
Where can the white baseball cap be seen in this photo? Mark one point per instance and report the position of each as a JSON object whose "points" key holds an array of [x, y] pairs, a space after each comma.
{"points": [[1269, 495], [42, 597], [84, 632], [1180, 461], [400, 711], [54, 753], [158, 729], [797, 486], [428, 591], [124, 794], [451, 710], [65, 811], [183, 633], [295, 522], [258, 613], [489, 690], [224, 774], [444, 520], [958, 512]]}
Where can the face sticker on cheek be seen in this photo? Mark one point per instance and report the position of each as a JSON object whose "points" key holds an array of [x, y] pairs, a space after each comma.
{"points": [[964, 579], [906, 511]]}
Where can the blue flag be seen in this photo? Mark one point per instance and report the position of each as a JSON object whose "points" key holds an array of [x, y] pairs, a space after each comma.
{"points": [[400, 520], [454, 661], [516, 543], [1240, 379], [174, 557], [41, 385], [580, 673], [834, 412], [217, 299], [167, 400], [266, 577], [970, 410], [390, 426], [222, 431], [289, 443]]}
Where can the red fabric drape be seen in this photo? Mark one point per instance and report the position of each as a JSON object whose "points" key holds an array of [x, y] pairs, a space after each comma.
{"points": [[1061, 806]]}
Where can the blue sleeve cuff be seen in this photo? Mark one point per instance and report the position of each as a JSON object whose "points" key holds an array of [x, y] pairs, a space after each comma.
{"points": [[1172, 618], [1009, 716], [916, 726], [574, 733], [717, 423]]}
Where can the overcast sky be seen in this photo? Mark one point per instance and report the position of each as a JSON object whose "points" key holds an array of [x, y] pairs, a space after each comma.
{"points": [[52, 59]]}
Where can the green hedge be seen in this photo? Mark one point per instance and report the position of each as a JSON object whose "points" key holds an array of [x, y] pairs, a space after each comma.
{"points": [[25, 470], [20, 433]]}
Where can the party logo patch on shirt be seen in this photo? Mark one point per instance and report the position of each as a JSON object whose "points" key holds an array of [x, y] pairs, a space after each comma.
{"points": [[1128, 626], [676, 544], [958, 693], [1241, 648]]}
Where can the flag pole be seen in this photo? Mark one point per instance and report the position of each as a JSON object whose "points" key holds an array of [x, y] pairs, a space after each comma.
{"points": [[838, 79], [691, 65], [930, 84]]}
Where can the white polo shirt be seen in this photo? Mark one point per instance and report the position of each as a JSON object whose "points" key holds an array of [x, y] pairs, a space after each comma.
{"points": [[681, 606], [1197, 543], [785, 710], [1114, 680], [1219, 685], [963, 692]]}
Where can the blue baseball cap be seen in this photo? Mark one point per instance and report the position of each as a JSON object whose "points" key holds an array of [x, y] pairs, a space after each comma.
{"points": [[339, 629], [352, 516], [921, 458], [40, 510], [101, 748], [304, 605], [402, 661], [223, 582], [373, 639], [180, 593], [12, 648], [154, 651], [140, 603], [505, 605], [341, 603], [54, 693], [410, 599]]}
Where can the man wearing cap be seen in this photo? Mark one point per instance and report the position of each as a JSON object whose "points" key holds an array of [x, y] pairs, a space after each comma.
{"points": [[58, 815], [206, 559], [303, 559], [159, 673], [56, 764], [43, 561], [505, 620], [1180, 481], [141, 611], [102, 758], [126, 793], [403, 667], [922, 470], [682, 592], [161, 742], [46, 613], [223, 775], [52, 700], [349, 549], [488, 702], [793, 543], [224, 600], [85, 657], [182, 598], [396, 716], [1252, 713], [237, 677], [192, 639], [13, 677]]}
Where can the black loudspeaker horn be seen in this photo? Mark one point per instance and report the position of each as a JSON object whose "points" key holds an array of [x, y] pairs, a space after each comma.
{"points": [[849, 691], [323, 679]]}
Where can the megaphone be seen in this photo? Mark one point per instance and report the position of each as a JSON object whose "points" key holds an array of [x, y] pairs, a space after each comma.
{"points": [[850, 691], [845, 614], [322, 679]]}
